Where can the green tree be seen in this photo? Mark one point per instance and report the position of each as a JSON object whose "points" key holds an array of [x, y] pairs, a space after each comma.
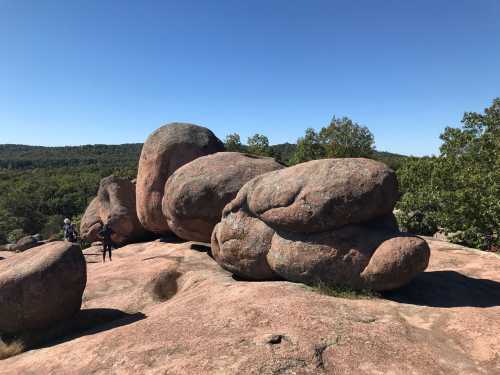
{"points": [[233, 143], [258, 144], [460, 189], [344, 138], [309, 147], [15, 235]]}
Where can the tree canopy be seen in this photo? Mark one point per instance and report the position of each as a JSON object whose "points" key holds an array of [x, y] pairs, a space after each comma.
{"points": [[258, 144], [458, 191]]}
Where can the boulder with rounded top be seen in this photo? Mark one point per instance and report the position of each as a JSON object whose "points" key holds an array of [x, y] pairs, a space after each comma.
{"points": [[167, 149], [196, 193]]}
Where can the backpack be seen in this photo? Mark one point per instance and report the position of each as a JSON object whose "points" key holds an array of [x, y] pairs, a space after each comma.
{"points": [[69, 232]]}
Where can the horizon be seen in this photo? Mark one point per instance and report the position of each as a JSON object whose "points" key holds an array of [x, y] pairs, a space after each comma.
{"points": [[141, 143], [93, 72]]}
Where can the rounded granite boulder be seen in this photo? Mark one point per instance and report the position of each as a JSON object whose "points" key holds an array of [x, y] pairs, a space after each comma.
{"points": [[41, 286], [196, 193], [323, 194], [167, 149], [326, 221], [115, 205]]}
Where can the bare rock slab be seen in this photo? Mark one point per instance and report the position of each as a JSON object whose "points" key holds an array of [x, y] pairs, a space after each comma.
{"points": [[194, 318]]}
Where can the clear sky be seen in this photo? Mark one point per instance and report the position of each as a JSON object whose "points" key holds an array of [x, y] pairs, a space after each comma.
{"points": [[96, 71]]}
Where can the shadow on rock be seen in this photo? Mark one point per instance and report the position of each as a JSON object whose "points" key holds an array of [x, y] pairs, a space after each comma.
{"points": [[201, 247], [86, 322], [448, 289], [171, 238], [249, 280]]}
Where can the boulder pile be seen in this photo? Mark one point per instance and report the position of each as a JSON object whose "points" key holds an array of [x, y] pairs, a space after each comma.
{"points": [[41, 286], [325, 221]]}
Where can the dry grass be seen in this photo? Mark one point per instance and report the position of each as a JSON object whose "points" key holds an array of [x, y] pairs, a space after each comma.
{"points": [[10, 349], [341, 291]]}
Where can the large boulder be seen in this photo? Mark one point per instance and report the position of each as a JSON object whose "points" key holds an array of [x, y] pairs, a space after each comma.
{"points": [[115, 205], [41, 286], [196, 193], [323, 194], [117, 208], [166, 150], [326, 221]]}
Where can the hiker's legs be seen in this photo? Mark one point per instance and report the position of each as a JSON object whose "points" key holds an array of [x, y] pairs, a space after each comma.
{"points": [[107, 248]]}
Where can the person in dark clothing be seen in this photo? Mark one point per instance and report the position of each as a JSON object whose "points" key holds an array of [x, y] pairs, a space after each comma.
{"points": [[107, 243], [69, 231]]}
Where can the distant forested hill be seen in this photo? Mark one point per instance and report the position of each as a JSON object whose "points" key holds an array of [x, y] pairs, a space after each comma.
{"points": [[21, 157], [40, 186], [26, 157]]}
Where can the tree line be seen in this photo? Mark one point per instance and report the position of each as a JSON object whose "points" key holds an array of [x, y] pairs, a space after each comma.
{"points": [[456, 192]]}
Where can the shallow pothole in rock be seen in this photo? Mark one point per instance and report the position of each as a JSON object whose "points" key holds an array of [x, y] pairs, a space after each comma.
{"points": [[163, 286], [274, 339]]}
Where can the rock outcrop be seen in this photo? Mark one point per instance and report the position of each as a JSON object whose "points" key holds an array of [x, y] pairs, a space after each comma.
{"points": [[196, 193], [115, 205], [23, 244], [321, 222], [117, 208], [41, 286], [90, 226], [163, 308], [166, 150]]}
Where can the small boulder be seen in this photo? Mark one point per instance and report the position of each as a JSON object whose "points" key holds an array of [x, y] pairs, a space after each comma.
{"points": [[26, 243], [196, 193], [167, 149], [395, 262], [41, 286]]}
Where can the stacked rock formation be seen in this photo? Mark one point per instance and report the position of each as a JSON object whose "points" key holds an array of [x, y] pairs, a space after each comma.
{"points": [[41, 286], [166, 150], [325, 221], [196, 193], [115, 205]]}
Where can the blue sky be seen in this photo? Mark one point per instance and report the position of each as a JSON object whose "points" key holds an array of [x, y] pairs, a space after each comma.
{"points": [[79, 72]]}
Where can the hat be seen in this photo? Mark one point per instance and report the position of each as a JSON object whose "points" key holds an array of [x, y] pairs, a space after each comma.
{"points": [[67, 221]]}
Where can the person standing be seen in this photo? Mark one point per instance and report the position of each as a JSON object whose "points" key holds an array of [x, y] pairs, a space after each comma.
{"points": [[107, 243], [69, 231]]}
